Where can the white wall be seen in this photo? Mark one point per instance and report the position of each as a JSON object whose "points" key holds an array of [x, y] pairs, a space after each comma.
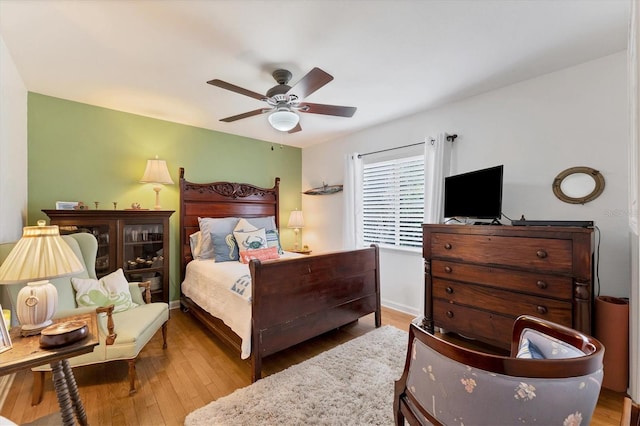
{"points": [[536, 128], [13, 148]]}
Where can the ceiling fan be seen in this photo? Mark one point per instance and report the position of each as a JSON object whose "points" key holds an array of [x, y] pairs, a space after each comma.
{"points": [[284, 100]]}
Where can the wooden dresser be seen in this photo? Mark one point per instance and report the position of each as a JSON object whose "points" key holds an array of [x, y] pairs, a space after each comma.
{"points": [[479, 278]]}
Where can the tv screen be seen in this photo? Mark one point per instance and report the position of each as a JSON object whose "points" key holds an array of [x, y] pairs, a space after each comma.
{"points": [[476, 194]]}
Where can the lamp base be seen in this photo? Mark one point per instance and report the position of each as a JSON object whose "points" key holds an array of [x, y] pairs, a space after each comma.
{"points": [[36, 304]]}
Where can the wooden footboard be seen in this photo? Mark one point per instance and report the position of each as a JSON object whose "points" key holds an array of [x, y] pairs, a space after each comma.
{"points": [[297, 299]]}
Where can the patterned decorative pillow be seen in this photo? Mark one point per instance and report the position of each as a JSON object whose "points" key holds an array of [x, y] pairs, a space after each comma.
{"points": [[224, 247], [527, 350], [273, 240], [209, 226], [261, 254], [110, 289], [250, 240]]}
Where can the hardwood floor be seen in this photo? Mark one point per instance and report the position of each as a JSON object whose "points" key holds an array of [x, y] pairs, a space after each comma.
{"points": [[194, 370]]}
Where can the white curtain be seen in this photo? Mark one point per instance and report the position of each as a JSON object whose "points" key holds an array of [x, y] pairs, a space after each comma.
{"points": [[634, 160], [437, 166], [352, 189]]}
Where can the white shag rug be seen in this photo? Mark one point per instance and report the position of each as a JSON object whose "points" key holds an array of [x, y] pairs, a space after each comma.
{"points": [[351, 384]]}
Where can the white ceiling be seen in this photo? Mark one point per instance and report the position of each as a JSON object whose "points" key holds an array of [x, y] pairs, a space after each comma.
{"points": [[388, 58]]}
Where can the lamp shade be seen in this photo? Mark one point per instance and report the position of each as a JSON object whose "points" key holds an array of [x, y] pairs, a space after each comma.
{"points": [[40, 254], [156, 172], [283, 120], [296, 220]]}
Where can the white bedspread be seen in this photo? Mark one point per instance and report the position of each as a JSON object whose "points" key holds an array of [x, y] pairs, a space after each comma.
{"points": [[224, 290]]}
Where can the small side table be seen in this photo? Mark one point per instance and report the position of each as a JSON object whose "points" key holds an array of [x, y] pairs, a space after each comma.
{"points": [[300, 251], [27, 353]]}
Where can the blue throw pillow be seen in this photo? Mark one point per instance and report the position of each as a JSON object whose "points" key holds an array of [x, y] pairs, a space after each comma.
{"points": [[210, 226]]}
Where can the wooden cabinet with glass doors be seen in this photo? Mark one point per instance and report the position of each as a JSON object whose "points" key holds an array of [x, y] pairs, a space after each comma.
{"points": [[135, 240]]}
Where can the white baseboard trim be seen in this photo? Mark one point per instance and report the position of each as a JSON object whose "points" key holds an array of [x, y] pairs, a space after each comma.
{"points": [[402, 308]]}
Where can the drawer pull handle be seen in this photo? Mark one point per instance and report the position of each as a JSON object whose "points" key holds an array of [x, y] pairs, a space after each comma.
{"points": [[449, 314], [449, 290], [448, 269], [447, 246], [541, 285], [541, 310], [541, 254]]}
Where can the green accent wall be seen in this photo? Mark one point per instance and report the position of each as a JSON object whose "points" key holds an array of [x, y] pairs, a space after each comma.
{"points": [[81, 152]]}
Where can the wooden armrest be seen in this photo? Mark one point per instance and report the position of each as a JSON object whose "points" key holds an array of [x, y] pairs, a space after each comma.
{"points": [[111, 337], [147, 290]]}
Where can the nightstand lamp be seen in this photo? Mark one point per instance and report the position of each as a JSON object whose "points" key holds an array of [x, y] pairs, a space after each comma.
{"points": [[41, 254], [157, 173], [296, 221]]}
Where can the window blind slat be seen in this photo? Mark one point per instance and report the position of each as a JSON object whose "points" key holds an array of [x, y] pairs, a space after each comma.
{"points": [[393, 202]]}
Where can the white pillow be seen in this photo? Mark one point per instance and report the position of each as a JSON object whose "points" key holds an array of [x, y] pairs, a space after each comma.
{"points": [[251, 240], [244, 225], [110, 289], [195, 242]]}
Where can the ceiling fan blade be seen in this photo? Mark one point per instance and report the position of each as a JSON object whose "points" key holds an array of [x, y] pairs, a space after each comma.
{"points": [[228, 86], [245, 115], [295, 129], [315, 79], [340, 111]]}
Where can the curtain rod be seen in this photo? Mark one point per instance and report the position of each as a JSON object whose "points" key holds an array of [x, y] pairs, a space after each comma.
{"points": [[450, 138]]}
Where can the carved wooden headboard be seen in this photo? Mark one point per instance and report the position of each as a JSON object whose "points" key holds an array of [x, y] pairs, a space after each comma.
{"points": [[220, 199]]}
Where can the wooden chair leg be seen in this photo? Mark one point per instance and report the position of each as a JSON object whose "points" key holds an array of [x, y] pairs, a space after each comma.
{"points": [[132, 376], [38, 387], [164, 335]]}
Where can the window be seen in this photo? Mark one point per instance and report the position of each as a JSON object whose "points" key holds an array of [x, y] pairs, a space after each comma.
{"points": [[393, 202]]}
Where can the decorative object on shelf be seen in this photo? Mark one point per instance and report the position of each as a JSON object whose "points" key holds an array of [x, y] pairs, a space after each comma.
{"points": [[66, 205], [135, 206], [578, 185], [296, 221], [63, 333], [115, 205], [5, 339], [81, 206], [324, 190], [40, 254], [97, 203], [157, 174]]}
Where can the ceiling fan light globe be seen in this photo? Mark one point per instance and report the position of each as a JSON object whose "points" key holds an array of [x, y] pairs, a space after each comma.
{"points": [[283, 120]]}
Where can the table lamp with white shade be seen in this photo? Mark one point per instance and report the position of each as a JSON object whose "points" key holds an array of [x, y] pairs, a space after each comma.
{"points": [[41, 254], [157, 173], [296, 221]]}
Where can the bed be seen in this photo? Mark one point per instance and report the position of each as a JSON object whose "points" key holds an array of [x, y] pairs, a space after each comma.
{"points": [[293, 299]]}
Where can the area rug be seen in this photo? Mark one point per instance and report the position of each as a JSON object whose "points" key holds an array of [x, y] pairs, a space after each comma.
{"points": [[351, 384]]}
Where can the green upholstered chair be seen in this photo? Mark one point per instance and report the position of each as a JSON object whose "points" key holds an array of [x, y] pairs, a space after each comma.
{"points": [[122, 334]]}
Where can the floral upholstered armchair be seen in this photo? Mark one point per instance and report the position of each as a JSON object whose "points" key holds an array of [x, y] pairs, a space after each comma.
{"points": [[552, 377]]}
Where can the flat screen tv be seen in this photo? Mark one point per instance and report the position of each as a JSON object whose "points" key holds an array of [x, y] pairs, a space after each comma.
{"points": [[476, 194]]}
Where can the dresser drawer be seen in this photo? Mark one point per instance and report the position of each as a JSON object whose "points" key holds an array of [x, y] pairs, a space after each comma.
{"points": [[545, 285], [489, 327], [537, 254], [502, 302]]}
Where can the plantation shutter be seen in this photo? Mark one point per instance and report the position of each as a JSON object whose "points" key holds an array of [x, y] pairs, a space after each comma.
{"points": [[393, 202]]}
